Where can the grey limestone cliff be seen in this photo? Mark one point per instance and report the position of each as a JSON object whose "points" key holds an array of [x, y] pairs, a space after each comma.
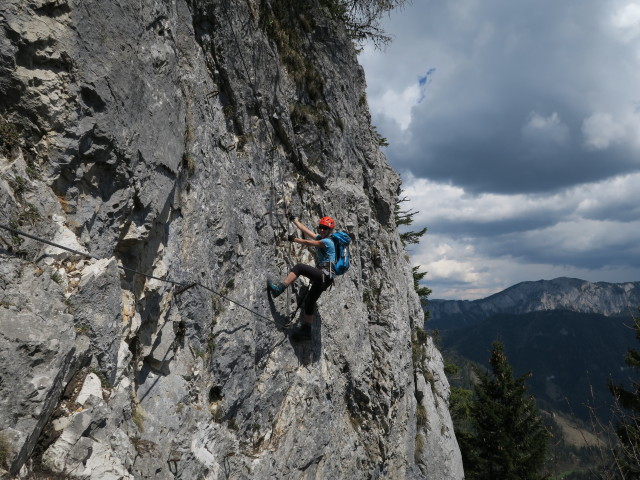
{"points": [[166, 139]]}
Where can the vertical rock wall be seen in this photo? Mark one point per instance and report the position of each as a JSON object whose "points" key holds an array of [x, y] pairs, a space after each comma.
{"points": [[168, 138]]}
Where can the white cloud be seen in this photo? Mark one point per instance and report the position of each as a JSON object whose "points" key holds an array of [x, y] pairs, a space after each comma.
{"points": [[450, 268], [468, 274], [451, 262], [436, 202], [627, 21], [398, 105], [480, 262], [548, 130], [602, 130], [582, 235]]}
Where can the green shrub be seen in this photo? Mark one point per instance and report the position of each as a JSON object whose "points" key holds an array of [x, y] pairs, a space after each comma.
{"points": [[9, 138], [421, 416], [5, 451], [29, 214]]}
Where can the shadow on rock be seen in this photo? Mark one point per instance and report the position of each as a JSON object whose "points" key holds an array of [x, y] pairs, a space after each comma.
{"points": [[307, 351]]}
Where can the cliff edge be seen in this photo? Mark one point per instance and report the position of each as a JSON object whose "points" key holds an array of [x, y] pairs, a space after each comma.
{"points": [[166, 140]]}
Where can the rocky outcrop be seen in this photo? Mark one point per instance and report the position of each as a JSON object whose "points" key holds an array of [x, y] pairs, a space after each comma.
{"points": [[166, 140], [570, 294]]}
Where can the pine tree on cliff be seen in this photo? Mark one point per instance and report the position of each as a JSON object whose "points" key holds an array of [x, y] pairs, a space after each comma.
{"points": [[404, 218], [508, 438], [627, 455]]}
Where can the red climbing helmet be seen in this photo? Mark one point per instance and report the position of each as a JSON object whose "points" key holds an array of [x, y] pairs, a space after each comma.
{"points": [[327, 222]]}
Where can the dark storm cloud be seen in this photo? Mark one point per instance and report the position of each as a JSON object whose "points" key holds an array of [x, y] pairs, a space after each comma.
{"points": [[514, 84], [520, 146], [620, 210], [491, 228], [488, 155], [612, 248]]}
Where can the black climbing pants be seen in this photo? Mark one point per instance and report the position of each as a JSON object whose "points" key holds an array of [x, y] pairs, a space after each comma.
{"points": [[320, 281]]}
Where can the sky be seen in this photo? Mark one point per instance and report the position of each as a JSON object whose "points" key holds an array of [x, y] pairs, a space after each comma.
{"points": [[515, 126]]}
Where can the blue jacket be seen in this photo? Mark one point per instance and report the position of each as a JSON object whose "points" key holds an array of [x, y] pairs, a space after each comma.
{"points": [[326, 254]]}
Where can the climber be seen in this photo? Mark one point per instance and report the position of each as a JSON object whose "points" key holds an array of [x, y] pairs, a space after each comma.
{"points": [[321, 276]]}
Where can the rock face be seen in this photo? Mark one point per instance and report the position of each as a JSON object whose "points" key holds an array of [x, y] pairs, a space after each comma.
{"points": [[569, 294], [167, 139]]}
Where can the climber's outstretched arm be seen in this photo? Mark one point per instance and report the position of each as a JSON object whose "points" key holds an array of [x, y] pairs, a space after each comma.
{"points": [[308, 243], [304, 229]]}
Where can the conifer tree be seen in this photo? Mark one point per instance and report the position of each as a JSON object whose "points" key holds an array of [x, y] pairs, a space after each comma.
{"points": [[627, 455], [405, 218], [508, 438], [362, 18], [410, 237]]}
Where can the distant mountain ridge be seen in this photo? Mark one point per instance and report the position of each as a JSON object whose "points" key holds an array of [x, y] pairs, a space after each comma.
{"points": [[570, 334], [569, 294]]}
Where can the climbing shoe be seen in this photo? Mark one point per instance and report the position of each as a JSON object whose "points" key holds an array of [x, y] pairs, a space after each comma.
{"points": [[276, 289], [301, 333]]}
